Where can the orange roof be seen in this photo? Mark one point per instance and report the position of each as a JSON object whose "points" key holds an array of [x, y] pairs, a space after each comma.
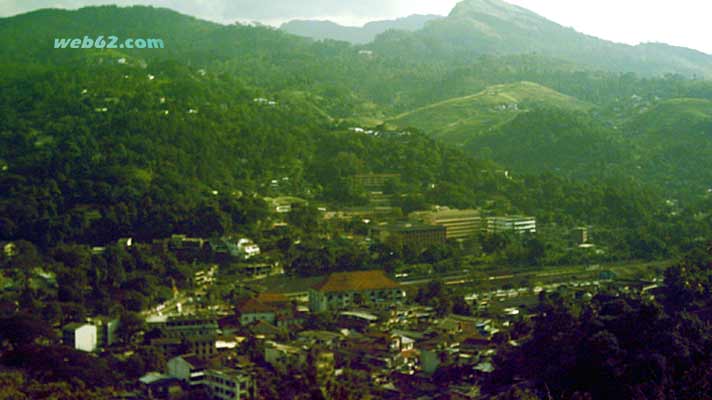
{"points": [[356, 281], [253, 306], [272, 298]]}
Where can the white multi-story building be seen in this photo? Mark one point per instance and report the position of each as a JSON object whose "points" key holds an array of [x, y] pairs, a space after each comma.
{"points": [[188, 368], [80, 336], [459, 224], [511, 223], [230, 384]]}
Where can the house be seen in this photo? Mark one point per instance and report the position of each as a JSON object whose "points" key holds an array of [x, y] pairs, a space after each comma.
{"points": [[251, 310], [288, 314], [188, 368], [231, 384], [80, 336], [155, 385], [224, 249], [284, 357], [243, 248], [344, 289]]}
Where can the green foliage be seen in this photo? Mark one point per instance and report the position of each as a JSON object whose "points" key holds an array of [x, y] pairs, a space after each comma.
{"points": [[592, 350]]}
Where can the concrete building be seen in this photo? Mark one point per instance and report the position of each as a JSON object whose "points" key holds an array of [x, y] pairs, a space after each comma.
{"points": [[580, 235], [106, 330], [344, 289], [155, 385], [80, 336], [260, 270], [188, 368], [373, 181], [459, 224], [230, 384], [413, 234], [251, 310], [198, 333], [512, 223], [284, 357]]}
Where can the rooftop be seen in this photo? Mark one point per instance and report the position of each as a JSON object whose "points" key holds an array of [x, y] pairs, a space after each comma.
{"points": [[409, 227], [153, 377], [253, 305], [356, 281], [194, 361], [360, 315], [272, 298]]}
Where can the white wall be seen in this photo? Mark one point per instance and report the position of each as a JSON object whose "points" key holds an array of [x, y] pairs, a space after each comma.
{"points": [[85, 338]]}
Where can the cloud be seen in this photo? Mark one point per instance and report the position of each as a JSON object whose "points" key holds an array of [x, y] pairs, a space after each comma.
{"points": [[229, 10]]}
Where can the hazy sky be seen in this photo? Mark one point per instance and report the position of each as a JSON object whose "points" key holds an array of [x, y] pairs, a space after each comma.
{"points": [[683, 22]]}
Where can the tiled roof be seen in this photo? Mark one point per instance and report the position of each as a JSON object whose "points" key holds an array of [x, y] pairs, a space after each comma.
{"points": [[252, 305], [263, 328], [272, 298], [356, 281]]}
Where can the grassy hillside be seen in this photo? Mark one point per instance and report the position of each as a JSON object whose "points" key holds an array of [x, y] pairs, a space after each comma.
{"points": [[459, 119]]}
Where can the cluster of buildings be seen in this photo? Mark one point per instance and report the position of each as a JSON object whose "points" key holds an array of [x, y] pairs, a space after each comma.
{"points": [[374, 330], [190, 248], [367, 325], [188, 374], [428, 228]]}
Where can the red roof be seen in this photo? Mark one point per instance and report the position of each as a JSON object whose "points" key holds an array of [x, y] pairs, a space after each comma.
{"points": [[252, 305], [356, 282], [272, 298]]}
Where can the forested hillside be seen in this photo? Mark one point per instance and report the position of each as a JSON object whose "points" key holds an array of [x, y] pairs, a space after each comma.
{"points": [[492, 108]]}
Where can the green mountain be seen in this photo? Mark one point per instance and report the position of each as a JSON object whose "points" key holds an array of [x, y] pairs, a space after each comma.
{"points": [[459, 119], [563, 141], [674, 142], [476, 27], [93, 148], [321, 30]]}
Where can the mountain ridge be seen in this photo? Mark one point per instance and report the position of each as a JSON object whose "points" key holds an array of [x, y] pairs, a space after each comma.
{"points": [[325, 29], [482, 27]]}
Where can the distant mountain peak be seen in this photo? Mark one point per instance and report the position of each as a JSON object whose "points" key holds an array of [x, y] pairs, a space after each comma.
{"points": [[359, 35], [494, 8]]}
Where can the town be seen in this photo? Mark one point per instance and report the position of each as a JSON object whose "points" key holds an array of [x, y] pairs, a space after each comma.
{"points": [[400, 332]]}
